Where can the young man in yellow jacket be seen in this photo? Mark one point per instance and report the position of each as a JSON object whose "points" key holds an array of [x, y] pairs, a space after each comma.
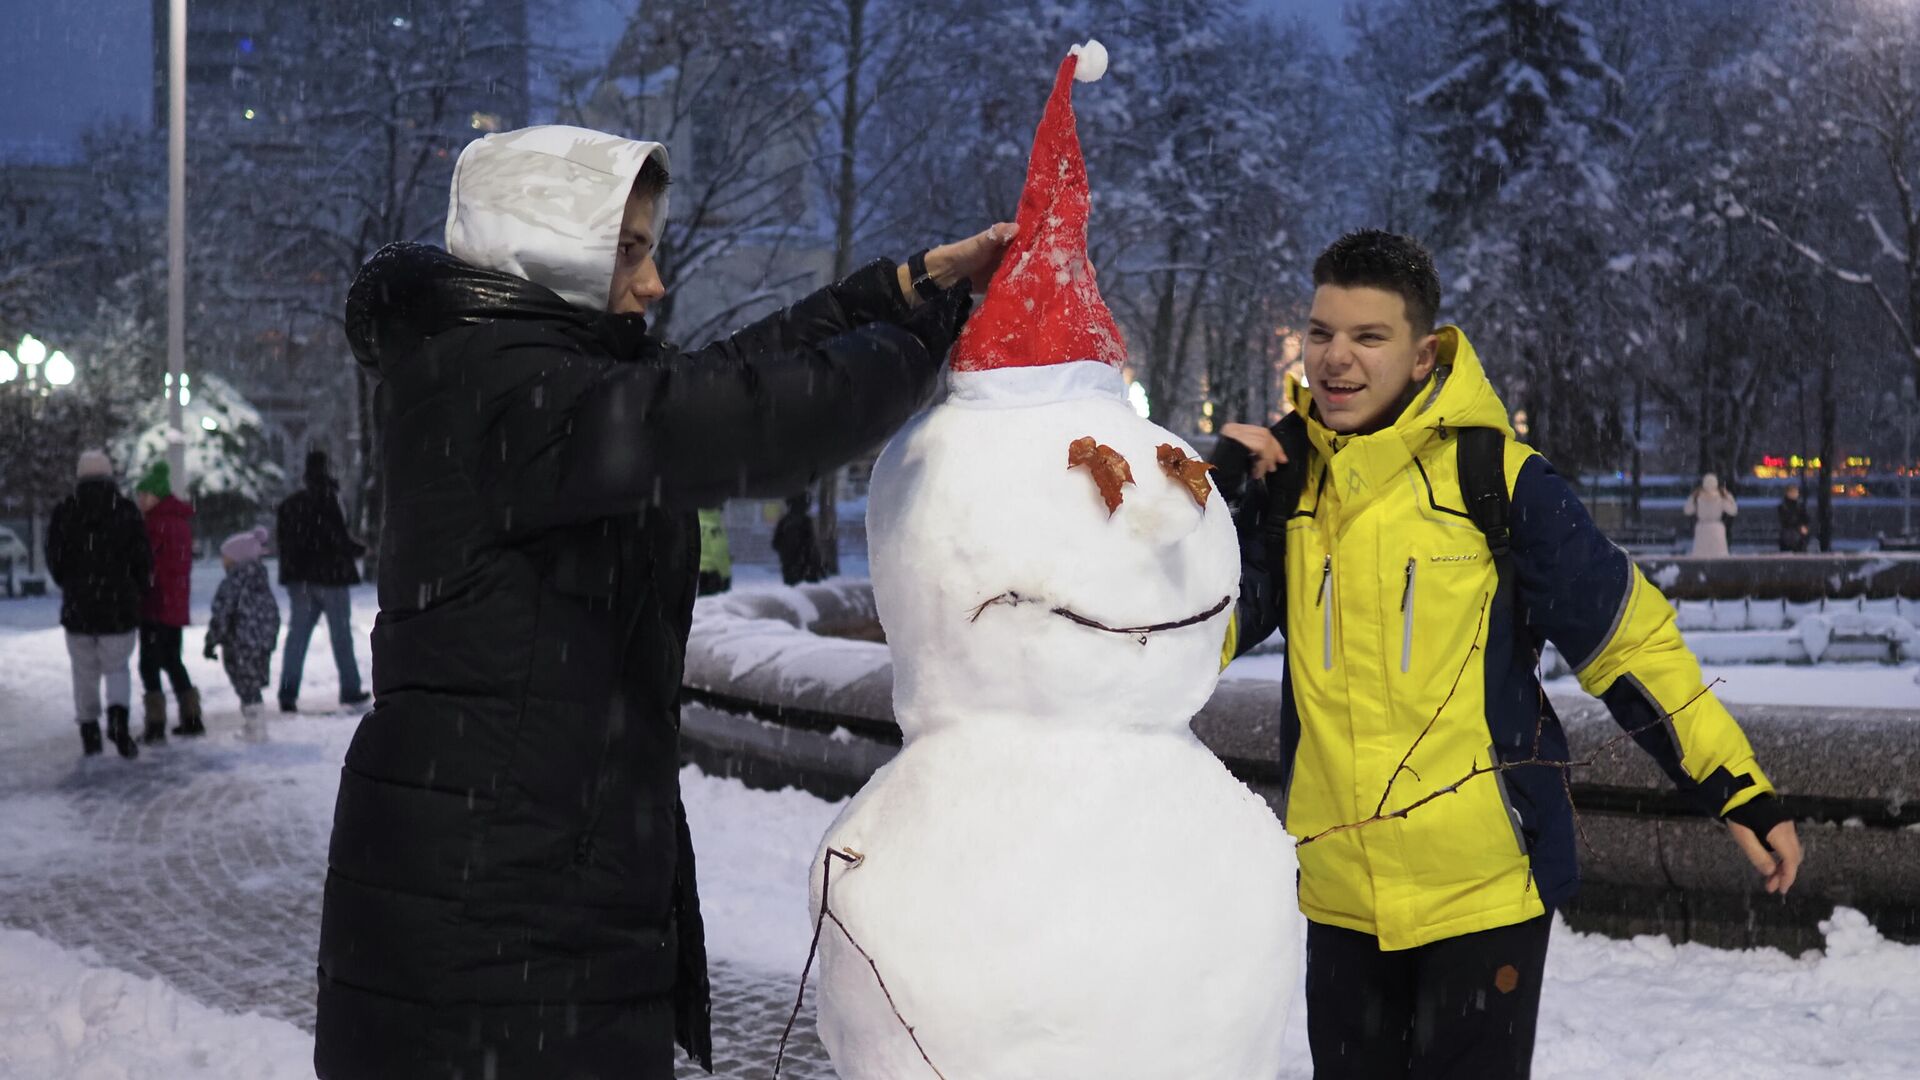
{"points": [[1427, 933]]}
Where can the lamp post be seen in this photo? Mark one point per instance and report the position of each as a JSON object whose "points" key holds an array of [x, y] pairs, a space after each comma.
{"points": [[34, 373], [177, 239]]}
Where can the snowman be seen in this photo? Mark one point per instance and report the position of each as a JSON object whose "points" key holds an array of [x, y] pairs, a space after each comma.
{"points": [[1054, 878]]}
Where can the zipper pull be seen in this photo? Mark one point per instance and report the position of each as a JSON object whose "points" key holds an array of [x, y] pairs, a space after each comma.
{"points": [[1408, 591], [1326, 580]]}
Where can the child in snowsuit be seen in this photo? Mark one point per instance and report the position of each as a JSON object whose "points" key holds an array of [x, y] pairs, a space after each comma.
{"points": [[246, 623]]}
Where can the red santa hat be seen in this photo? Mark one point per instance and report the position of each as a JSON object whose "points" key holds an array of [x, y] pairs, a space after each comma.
{"points": [[1043, 306]]}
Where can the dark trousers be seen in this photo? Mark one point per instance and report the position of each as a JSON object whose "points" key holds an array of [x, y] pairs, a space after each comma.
{"points": [[1459, 1009], [160, 651]]}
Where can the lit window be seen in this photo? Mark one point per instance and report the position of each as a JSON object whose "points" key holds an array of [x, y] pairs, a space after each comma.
{"points": [[249, 114]]}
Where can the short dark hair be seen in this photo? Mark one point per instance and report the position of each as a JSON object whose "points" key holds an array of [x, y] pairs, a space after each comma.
{"points": [[652, 181], [1388, 261]]}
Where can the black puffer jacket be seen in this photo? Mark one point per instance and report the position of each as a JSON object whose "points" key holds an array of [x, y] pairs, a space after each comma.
{"points": [[511, 889], [97, 553]]}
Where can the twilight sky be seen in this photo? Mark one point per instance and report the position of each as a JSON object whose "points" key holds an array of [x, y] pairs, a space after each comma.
{"points": [[73, 62]]}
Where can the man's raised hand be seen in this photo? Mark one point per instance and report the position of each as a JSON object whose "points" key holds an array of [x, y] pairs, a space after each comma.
{"points": [[1267, 455]]}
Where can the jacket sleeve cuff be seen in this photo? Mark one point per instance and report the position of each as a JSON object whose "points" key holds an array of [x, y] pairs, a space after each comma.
{"points": [[1232, 464], [872, 294], [1760, 813]]}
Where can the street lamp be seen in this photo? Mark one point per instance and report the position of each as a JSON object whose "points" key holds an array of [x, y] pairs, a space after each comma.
{"points": [[38, 374]]}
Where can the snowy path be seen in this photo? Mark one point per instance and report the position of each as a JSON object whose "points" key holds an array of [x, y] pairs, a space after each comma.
{"points": [[151, 904]]}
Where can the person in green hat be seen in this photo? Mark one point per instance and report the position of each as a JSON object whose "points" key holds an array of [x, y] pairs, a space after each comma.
{"points": [[716, 556], [163, 614]]}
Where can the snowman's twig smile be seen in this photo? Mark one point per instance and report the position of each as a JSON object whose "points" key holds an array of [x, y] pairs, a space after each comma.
{"points": [[1014, 599]]}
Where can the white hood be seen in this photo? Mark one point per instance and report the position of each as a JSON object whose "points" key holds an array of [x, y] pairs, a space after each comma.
{"points": [[545, 203]]}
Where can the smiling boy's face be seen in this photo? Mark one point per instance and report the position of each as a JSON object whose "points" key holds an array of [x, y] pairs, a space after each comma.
{"points": [[1363, 356]]}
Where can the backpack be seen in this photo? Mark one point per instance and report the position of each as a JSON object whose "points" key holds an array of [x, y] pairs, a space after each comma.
{"points": [[1483, 488]]}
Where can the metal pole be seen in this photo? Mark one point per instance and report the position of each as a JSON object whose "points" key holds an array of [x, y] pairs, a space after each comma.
{"points": [[177, 239]]}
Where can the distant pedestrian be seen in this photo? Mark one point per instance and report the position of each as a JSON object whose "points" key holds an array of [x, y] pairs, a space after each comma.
{"points": [[1794, 522], [796, 544], [716, 556], [317, 564], [98, 555], [1710, 506], [163, 615], [245, 625]]}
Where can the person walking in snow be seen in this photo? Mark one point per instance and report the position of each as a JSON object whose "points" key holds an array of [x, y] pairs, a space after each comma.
{"points": [[245, 625], [163, 614], [316, 567], [511, 885], [98, 555], [1710, 505], [1795, 525], [796, 543], [1416, 555]]}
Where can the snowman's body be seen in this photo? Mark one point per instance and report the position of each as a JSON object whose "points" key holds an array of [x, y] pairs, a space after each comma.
{"points": [[1058, 879]]}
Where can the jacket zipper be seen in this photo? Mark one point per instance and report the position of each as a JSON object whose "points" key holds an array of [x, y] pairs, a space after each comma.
{"points": [[1326, 613], [1406, 630]]}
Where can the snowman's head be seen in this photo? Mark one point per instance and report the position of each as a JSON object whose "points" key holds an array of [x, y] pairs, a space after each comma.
{"points": [[1007, 586]]}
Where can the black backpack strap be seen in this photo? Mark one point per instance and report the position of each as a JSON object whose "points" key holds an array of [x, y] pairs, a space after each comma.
{"points": [[1483, 486]]}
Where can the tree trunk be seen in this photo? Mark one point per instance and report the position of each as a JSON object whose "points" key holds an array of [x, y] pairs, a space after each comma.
{"points": [[1828, 413], [1639, 418]]}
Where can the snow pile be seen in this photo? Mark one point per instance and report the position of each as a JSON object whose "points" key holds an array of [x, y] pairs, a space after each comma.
{"points": [[63, 1015], [1816, 632], [760, 639], [1647, 1007], [751, 852]]}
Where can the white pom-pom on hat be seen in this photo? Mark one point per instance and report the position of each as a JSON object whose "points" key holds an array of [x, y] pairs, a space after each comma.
{"points": [[1093, 61]]}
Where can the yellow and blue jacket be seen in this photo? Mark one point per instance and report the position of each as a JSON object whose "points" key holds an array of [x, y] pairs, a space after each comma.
{"points": [[1385, 591]]}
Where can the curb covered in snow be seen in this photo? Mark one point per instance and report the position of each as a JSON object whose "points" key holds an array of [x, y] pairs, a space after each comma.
{"points": [[775, 698]]}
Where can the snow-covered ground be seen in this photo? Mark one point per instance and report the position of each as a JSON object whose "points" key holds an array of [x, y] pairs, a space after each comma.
{"points": [[1641, 1008]]}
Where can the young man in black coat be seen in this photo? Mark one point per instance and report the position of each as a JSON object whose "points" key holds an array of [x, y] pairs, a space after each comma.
{"points": [[317, 565], [511, 881], [98, 555]]}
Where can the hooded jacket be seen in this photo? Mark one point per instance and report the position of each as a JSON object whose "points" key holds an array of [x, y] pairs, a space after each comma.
{"points": [[511, 885], [1398, 654], [97, 553], [170, 532]]}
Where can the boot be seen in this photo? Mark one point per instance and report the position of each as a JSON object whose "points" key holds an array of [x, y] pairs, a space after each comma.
{"points": [[155, 732], [90, 738], [153, 708], [118, 734], [253, 722], [189, 714]]}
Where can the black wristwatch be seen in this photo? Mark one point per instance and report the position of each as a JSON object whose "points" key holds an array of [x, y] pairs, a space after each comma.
{"points": [[923, 283]]}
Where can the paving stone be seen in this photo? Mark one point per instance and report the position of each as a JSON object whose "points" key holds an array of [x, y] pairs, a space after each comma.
{"points": [[209, 880]]}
